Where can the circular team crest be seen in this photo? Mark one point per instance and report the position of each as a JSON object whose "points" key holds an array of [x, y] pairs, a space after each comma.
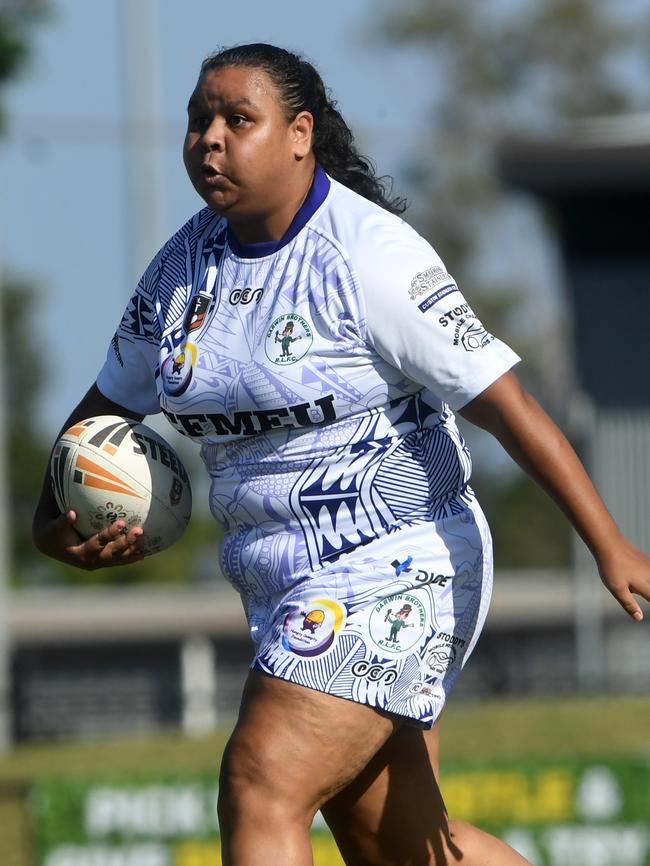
{"points": [[310, 629], [176, 370], [288, 339], [397, 623]]}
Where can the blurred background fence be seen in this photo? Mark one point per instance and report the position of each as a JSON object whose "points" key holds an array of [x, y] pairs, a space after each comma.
{"points": [[106, 660]]}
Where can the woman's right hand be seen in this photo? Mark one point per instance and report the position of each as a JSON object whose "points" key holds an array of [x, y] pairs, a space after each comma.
{"points": [[54, 533], [113, 545]]}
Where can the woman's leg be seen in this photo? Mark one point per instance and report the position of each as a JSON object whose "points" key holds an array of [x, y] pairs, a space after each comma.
{"points": [[292, 749], [393, 814]]}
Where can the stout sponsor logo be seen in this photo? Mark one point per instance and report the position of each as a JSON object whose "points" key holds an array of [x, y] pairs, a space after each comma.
{"points": [[468, 330], [450, 639], [459, 312], [474, 336]]}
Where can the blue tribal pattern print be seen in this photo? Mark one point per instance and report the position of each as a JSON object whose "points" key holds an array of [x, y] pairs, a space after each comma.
{"points": [[319, 375]]}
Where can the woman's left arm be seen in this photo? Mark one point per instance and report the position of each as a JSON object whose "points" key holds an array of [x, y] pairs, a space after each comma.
{"points": [[532, 439]]}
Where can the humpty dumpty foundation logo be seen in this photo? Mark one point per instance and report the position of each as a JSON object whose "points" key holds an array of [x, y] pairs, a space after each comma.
{"points": [[176, 370], [397, 623], [310, 628], [288, 339]]}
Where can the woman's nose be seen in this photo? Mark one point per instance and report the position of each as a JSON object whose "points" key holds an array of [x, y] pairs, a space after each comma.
{"points": [[213, 137]]}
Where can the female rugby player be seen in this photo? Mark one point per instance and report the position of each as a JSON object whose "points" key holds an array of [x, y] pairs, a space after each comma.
{"points": [[316, 348]]}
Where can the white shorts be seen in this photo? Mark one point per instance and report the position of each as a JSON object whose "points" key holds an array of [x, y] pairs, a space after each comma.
{"points": [[390, 624]]}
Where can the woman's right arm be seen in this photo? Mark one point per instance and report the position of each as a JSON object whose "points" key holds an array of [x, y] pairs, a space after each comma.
{"points": [[54, 534]]}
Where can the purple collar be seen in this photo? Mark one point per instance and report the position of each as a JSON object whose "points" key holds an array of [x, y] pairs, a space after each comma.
{"points": [[315, 197]]}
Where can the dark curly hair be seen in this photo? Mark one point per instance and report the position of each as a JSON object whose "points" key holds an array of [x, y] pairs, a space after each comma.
{"points": [[301, 89]]}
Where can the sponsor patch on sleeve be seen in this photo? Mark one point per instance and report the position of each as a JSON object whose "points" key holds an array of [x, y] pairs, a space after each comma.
{"points": [[429, 302], [428, 281]]}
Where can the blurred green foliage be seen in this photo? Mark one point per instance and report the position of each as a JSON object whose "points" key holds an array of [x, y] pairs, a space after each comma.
{"points": [[501, 71], [16, 19], [23, 358], [528, 529], [193, 557], [511, 69], [26, 450]]}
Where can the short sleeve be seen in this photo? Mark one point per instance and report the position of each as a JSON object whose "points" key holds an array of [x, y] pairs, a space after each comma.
{"points": [[128, 374], [418, 320]]}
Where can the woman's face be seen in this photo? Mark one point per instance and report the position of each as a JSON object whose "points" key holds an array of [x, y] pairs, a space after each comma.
{"points": [[240, 152]]}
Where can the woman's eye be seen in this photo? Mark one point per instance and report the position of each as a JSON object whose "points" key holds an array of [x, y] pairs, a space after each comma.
{"points": [[237, 120], [198, 122]]}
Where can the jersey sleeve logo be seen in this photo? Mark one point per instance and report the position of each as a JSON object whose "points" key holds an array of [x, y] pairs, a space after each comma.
{"points": [[428, 281]]}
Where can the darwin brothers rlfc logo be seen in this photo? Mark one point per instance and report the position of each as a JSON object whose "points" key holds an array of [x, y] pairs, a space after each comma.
{"points": [[397, 623], [288, 339]]}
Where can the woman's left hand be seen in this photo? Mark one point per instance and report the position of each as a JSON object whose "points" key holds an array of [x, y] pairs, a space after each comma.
{"points": [[624, 570]]}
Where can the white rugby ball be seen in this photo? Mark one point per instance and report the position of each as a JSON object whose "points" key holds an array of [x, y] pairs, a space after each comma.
{"points": [[108, 467]]}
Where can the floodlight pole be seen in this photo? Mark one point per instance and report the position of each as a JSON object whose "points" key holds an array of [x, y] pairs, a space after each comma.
{"points": [[145, 176], [5, 561]]}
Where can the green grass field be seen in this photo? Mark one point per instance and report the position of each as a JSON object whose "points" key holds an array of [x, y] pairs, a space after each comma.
{"points": [[545, 728]]}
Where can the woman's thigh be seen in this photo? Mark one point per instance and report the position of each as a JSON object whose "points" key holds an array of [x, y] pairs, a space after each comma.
{"points": [[393, 811], [294, 748]]}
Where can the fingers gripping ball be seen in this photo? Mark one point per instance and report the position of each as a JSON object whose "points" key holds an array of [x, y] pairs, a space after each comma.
{"points": [[108, 468]]}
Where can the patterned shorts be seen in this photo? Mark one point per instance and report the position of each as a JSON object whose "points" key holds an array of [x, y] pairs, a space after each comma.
{"points": [[390, 624]]}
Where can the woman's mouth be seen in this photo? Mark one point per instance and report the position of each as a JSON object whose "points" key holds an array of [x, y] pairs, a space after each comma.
{"points": [[212, 176]]}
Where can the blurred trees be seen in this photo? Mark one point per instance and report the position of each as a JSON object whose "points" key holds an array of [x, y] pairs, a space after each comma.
{"points": [[507, 68], [500, 70], [16, 17], [194, 557], [25, 377], [22, 366]]}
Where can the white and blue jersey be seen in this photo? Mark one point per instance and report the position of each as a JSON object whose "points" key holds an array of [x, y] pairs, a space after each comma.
{"points": [[319, 374]]}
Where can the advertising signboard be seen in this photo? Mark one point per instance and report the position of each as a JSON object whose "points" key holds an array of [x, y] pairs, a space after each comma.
{"points": [[556, 813]]}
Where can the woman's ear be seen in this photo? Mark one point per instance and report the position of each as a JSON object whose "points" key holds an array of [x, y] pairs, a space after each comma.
{"points": [[301, 131]]}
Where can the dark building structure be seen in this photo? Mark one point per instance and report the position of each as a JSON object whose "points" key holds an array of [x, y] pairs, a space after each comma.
{"points": [[594, 182]]}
